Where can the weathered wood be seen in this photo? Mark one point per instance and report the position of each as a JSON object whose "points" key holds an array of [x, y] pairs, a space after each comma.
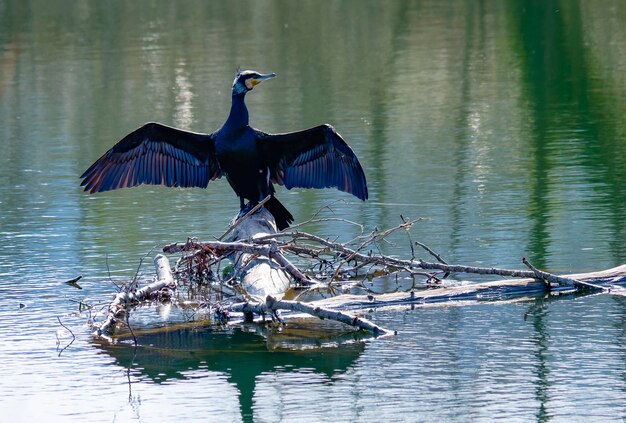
{"points": [[265, 278], [313, 309], [486, 291], [264, 274], [120, 304], [260, 275], [560, 279], [265, 244]]}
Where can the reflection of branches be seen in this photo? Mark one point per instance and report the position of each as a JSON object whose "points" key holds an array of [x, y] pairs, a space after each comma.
{"points": [[133, 401], [71, 333]]}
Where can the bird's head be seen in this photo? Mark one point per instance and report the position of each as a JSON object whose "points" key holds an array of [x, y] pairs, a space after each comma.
{"points": [[246, 80]]}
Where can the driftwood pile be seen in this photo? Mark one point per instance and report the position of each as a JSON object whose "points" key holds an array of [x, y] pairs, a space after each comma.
{"points": [[262, 270]]}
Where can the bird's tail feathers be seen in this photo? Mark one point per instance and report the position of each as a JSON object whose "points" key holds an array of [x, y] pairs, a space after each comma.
{"points": [[281, 215]]}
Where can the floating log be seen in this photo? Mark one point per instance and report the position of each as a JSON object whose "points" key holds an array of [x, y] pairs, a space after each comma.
{"points": [[126, 298], [265, 274], [314, 309], [266, 280], [487, 291], [260, 276]]}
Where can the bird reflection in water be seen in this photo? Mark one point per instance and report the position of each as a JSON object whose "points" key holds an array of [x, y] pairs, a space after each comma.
{"points": [[242, 353]]}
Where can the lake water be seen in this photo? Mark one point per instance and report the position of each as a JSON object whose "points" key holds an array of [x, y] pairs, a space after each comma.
{"points": [[500, 123]]}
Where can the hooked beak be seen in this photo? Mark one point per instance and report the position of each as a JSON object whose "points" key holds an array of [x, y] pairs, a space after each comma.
{"points": [[257, 80]]}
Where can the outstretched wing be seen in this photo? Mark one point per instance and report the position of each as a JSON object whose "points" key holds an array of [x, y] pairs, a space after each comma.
{"points": [[155, 154], [314, 158]]}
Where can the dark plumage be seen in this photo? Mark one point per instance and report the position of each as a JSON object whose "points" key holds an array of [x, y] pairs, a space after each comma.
{"points": [[251, 160]]}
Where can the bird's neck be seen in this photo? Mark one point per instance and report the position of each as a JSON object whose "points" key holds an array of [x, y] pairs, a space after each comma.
{"points": [[238, 116]]}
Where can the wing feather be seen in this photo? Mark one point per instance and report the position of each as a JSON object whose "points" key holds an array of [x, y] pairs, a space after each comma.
{"points": [[314, 158], [155, 154]]}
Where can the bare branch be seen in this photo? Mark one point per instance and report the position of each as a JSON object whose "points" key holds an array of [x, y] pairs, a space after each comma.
{"points": [[323, 313], [549, 277], [431, 252], [73, 282], [247, 215], [263, 267], [121, 304]]}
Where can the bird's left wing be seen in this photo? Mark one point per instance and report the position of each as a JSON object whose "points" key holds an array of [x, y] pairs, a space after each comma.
{"points": [[155, 154], [314, 158]]}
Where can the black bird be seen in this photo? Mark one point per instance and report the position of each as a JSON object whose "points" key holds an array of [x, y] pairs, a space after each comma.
{"points": [[251, 160]]}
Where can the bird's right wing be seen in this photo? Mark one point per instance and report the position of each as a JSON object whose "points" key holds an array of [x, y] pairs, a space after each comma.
{"points": [[314, 158], [158, 155]]}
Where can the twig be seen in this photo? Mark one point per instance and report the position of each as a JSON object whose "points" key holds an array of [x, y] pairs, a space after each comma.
{"points": [[340, 250], [222, 247], [343, 251], [323, 313], [72, 282], [408, 234], [119, 305], [244, 217], [135, 281], [130, 328], [326, 219], [289, 267], [106, 260], [431, 252], [560, 279]]}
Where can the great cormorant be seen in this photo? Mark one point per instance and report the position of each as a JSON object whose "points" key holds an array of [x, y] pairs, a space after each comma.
{"points": [[251, 160]]}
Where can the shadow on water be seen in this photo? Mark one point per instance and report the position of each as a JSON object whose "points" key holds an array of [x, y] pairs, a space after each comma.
{"points": [[242, 353]]}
